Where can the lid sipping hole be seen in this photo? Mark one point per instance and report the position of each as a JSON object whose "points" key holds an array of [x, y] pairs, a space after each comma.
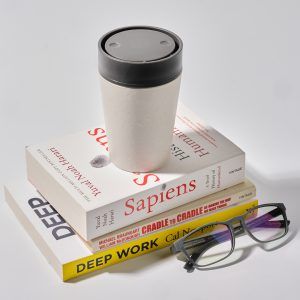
{"points": [[114, 45], [165, 43]]}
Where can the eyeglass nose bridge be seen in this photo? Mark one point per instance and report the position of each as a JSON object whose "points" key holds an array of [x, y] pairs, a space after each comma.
{"points": [[237, 226], [237, 221]]}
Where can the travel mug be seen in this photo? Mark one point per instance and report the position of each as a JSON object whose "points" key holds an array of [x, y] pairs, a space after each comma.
{"points": [[140, 71]]}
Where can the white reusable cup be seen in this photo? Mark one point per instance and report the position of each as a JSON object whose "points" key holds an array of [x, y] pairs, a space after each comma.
{"points": [[140, 70]]}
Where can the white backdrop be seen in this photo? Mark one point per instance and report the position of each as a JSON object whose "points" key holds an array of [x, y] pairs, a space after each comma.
{"points": [[241, 74]]}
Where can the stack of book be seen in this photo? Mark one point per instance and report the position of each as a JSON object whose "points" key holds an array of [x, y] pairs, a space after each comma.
{"points": [[86, 214]]}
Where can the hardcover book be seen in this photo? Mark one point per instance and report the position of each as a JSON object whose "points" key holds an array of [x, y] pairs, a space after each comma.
{"points": [[176, 216], [66, 251], [75, 175]]}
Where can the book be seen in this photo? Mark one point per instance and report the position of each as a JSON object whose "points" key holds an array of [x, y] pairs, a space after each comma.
{"points": [[233, 195], [66, 251], [75, 175]]}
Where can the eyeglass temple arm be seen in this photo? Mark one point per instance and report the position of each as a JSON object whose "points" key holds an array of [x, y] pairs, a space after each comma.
{"points": [[264, 221]]}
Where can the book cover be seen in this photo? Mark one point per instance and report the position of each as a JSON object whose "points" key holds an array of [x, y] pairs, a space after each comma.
{"points": [[68, 254], [241, 192], [75, 175]]}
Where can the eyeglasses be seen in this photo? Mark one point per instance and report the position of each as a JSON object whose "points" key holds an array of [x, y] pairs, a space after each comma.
{"points": [[214, 242]]}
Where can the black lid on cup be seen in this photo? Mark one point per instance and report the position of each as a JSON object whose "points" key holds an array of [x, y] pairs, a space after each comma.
{"points": [[140, 56]]}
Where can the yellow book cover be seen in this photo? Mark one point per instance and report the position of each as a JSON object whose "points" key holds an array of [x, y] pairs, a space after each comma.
{"points": [[68, 254]]}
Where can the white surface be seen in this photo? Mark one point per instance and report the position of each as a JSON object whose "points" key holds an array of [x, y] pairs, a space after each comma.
{"points": [[241, 74]]}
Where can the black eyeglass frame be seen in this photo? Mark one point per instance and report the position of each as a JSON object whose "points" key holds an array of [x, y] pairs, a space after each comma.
{"points": [[191, 264]]}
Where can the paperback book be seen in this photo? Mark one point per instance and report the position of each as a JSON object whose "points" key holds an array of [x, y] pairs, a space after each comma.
{"points": [[66, 251], [75, 175], [213, 203]]}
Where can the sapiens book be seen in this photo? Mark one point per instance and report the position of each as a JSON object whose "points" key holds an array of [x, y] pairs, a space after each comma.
{"points": [[186, 213], [75, 175], [66, 251]]}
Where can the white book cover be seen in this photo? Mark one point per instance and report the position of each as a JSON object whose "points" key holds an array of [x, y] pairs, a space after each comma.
{"points": [[69, 255], [75, 175]]}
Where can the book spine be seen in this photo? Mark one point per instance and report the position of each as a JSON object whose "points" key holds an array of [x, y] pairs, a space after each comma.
{"points": [[146, 244], [183, 214], [165, 197]]}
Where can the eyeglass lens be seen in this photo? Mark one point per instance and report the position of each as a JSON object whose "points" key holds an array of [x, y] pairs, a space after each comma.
{"points": [[209, 244], [266, 223]]}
